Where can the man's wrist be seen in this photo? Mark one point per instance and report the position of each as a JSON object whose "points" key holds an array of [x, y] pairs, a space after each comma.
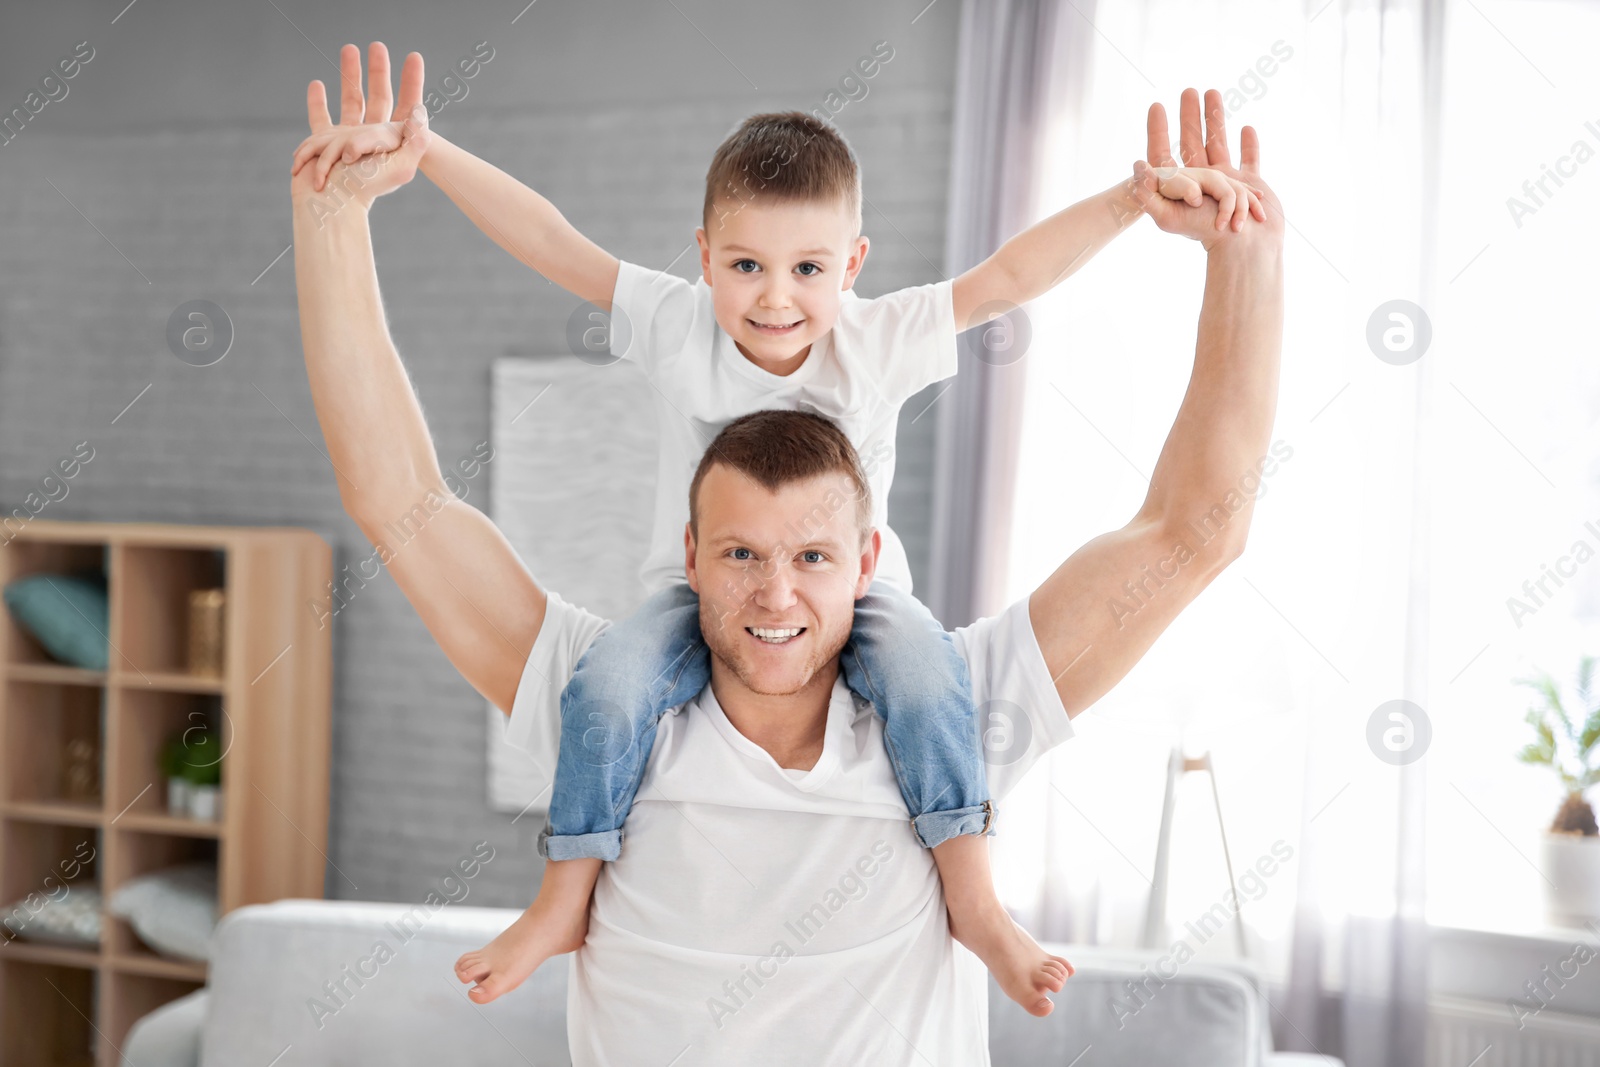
{"points": [[329, 207]]}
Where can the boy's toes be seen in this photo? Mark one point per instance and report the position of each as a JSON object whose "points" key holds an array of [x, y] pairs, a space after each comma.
{"points": [[485, 991], [470, 967], [1053, 977], [1041, 1007]]}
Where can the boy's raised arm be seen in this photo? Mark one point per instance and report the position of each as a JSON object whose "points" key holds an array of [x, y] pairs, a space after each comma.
{"points": [[522, 222], [1046, 253], [515, 217]]}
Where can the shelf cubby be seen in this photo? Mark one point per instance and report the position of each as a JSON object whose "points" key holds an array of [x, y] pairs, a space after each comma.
{"points": [[269, 706], [41, 720], [47, 1012]]}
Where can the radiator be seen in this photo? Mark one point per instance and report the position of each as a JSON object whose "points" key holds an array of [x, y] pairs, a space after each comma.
{"points": [[1474, 1033]]}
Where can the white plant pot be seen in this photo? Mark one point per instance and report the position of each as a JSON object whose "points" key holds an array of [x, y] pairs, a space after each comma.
{"points": [[205, 803], [178, 796], [1572, 863]]}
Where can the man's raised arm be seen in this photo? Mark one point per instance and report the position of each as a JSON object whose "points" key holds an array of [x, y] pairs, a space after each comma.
{"points": [[465, 580], [1103, 608]]}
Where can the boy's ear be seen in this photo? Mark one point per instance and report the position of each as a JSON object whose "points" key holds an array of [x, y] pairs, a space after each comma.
{"points": [[705, 253], [858, 259]]}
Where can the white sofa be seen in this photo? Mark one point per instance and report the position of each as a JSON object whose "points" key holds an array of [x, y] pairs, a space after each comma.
{"points": [[273, 964]]}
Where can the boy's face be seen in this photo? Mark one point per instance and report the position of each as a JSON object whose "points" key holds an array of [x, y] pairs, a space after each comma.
{"points": [[776, 272]]}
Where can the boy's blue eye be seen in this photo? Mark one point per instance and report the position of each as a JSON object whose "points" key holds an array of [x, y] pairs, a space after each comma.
{"points": [[813, 552], [815, 270], [740, 265]]}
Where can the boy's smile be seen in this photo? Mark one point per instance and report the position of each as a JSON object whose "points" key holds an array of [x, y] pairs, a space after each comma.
{"points": [[777, 270]]}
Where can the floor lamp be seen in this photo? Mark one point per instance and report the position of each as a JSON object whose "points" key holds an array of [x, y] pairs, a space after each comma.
{"points": [[1156, 913]]}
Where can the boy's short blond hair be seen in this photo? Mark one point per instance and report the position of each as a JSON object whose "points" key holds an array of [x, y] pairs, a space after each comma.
{"points": [[782, 156]]}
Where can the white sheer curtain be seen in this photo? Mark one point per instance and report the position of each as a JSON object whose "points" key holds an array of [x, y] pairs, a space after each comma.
{"points": [[1410, 499]]}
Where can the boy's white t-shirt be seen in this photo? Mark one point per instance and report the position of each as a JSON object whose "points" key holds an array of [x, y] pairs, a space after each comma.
{"points": [[879, 353], [764, 915]]}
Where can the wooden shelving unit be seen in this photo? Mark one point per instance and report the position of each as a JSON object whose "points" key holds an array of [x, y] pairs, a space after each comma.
{"points": [[73, 1006]]}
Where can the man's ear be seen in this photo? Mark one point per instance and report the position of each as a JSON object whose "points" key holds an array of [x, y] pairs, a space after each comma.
{"points": [[688, 560], [705, 253], [869, 563], [857, 260]]}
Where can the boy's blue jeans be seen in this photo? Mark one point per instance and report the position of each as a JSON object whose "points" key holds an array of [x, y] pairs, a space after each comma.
{"points": [[898, 657]]}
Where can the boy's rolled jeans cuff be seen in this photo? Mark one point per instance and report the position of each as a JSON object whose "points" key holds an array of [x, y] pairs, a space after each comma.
{"points": [[937, 827], [606, 845]]}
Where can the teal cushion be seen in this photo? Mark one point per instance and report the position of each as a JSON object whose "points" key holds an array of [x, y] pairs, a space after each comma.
{"points": [[67, 614]]}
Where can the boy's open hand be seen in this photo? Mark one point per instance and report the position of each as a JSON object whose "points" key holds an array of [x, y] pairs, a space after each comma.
{"points": [[1205, 223], [399, 137]]}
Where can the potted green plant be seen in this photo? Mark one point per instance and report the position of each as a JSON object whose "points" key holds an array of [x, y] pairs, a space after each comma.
{"points": [[171, 762], [1569, 744], [202, 769]]}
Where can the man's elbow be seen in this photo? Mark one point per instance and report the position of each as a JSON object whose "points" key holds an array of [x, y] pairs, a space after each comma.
{"points": [[1214, 540]]}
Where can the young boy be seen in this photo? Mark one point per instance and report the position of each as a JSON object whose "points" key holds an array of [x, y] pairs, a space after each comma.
{"points": [[772, 323]]}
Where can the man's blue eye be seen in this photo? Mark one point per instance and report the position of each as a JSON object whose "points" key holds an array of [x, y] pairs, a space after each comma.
{"points": [[815, 270], [739, 266]]}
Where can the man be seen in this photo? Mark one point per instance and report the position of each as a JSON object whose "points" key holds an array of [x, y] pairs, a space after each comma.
{"points": [[771, 905]]}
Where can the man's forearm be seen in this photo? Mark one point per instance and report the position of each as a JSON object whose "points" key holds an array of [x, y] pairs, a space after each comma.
{"points": [[1203, 483], [378, 440]]}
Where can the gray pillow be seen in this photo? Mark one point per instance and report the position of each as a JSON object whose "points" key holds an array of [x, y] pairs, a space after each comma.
{"points": [[172, 910], [67, 614], [73, 919]]}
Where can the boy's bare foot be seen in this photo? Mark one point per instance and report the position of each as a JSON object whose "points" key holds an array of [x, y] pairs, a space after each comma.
{"points": [[556, 922], [1025, 971], [978, 920]]}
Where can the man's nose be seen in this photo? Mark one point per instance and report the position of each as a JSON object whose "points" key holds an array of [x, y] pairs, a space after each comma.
{"points": [[775, 591]]}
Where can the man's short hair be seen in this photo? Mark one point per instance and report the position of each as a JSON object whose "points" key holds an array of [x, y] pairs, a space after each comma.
{"points": [[783, 156], [777, 448]]}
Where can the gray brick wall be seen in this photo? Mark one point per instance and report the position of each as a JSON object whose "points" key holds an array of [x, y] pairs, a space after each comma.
{"points": [[201, 212]]}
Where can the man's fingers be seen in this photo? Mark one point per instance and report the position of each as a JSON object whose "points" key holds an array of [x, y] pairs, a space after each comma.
{"points": [[410, 87], [1158, 150], [1191, 138], [380, 94], [350, 102], [1249, 151], [317, 107], [1216, 131]]}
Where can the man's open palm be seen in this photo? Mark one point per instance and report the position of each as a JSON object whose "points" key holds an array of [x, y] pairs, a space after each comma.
{"points": [[368, 178], [1207, 147]]}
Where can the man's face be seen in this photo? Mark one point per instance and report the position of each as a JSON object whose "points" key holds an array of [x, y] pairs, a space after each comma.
{"points": [[768, 564], [777, 272]]}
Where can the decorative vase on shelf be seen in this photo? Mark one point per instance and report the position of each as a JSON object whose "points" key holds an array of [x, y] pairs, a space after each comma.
{"points": [[206, 608]]}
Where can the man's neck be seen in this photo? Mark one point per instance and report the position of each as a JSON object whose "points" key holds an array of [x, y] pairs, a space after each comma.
{"points": [[790, 727]]}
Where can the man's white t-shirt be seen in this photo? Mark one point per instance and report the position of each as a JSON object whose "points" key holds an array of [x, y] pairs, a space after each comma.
{"points": [[878, 355], [761, 915]]}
